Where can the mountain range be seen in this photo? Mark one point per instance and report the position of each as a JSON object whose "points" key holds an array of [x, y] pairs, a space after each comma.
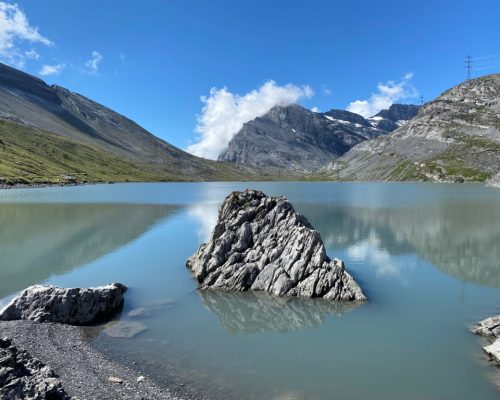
{"points": [[454, 138], [296, 138], [49, 134]]}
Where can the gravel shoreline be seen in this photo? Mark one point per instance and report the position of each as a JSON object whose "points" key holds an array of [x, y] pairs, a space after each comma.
{"points": [[83, 371]]}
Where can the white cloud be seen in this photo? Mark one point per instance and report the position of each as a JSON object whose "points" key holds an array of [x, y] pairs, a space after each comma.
{"points": [[93, 63], [51, 69], [326, 90], [388, 93], [32, 54], [315, 109], [224, 113], [15, 28]]}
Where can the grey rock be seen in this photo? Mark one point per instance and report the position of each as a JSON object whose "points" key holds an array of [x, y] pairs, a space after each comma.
{"points": [[115, 379], [295, 138], [25, 377], [74, 306], [260, 243], [489, 327], [494, 181], [493, 350], [125, 329]]}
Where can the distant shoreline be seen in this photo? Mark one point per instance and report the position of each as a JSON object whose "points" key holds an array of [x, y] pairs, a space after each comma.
{"points": [[4, 186]]}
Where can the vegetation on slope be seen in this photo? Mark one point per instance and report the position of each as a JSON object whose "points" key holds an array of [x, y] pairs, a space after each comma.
{"points": [[32, 156]]}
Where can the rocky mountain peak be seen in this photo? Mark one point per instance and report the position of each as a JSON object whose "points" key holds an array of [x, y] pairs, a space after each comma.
{"points": [[294, 137], [399, 112], [455, 137]]}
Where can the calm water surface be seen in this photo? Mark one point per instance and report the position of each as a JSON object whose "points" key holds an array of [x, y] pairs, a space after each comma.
{"points": [[427, 256]]}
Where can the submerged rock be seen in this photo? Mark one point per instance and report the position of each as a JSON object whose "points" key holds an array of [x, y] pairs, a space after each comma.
{"points": [[25, 377], [125, 329], [260, 243], [74, 306]]}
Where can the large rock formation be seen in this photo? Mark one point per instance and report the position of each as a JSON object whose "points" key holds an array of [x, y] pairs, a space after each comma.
{"points": [[25, 377], [260, 243], [295, 138], [72, 306]]}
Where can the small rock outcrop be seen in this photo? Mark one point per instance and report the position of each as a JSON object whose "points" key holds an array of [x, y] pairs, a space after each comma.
{"points": [[25, 377], [74, 306], [260, 243], [490, 328]]}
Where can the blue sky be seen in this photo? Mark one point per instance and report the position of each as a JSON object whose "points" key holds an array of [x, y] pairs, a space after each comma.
{"points": [[152, 61]]}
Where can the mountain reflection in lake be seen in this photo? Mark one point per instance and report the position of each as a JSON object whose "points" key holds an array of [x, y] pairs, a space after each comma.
{"points": [[459, 238], [41, 240]]}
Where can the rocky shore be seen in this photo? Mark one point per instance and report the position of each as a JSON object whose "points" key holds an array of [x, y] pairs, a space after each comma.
{"points": [[45, 350], [82, 372]]}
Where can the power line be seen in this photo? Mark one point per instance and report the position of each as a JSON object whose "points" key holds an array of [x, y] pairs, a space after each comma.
{"points": [[468, 66]]}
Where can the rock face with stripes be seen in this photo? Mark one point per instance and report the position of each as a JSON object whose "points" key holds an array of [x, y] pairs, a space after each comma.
{"points": [[260, 243]]}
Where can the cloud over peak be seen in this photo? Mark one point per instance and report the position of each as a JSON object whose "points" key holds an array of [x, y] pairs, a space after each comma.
{"points": [[15, 28], [388, 93], [224, 113], [47, 70]]}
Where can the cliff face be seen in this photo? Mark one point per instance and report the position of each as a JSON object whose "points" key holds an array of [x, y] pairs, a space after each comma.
{"points": [[295, 138], [455, 137]]}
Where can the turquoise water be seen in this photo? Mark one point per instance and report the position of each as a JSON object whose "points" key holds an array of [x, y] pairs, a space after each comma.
{"points": [[427, 257]]}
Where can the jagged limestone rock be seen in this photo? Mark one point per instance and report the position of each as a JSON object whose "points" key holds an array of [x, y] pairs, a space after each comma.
{"points": [[260, 243], [74, 306], [490, 328], [25, 377]]}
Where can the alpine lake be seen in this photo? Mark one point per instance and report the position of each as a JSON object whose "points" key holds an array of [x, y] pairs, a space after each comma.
{"points": [[427, 256]]}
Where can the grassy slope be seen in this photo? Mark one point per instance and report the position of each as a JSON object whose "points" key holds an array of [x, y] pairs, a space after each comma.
{"points": [[29, 155]]}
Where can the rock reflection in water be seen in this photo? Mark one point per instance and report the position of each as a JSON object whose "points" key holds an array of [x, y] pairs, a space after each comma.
{"points": [[249, 312]]}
